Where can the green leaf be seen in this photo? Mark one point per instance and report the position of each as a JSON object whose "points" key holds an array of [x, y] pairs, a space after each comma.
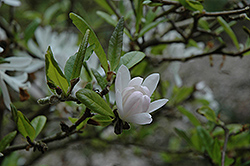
{"points": [[192, 5], [14, 112], [229, 31], [50, 12], [24, 126], [115, 45], [205, 138], [216, 152], [89, 52], [38, 123], [29, 31], [105, 5], [190, 116], [94, 101], [181, 94], [102, 120], [183, 135], [208, 113], [139, 14], [80, 56], [7, 140], [54, 73], [69, 67], [150, 26], [111, 21], [101, 81], [131, 58], [82, 25], [81, 125]]}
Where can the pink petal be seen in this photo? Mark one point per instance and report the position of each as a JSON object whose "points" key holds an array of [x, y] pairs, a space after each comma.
{"points": [[151, 82]]}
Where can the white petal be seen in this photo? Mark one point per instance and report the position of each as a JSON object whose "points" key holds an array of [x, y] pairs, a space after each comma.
{"points": [[6, 96], [156, 105], [141, 119], [118, 98], [1, 49], [16, 63], [135, 81], [35, 65], [35, 49], [12, 2], [151, 82], [122, 78]]}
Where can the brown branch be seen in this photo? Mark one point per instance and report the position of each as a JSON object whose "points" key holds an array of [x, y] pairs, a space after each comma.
{"points": [[217, 51], [223, 13], [166, 2], [155, 42]]}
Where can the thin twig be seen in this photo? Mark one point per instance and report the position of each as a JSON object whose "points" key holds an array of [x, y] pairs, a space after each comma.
{"points": [[223, 13]]}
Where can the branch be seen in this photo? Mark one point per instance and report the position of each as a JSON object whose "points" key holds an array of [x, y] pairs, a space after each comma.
{"points": [[223, 13], [217, 51]]}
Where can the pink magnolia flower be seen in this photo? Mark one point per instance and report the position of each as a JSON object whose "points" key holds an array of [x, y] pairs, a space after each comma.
{"points": [[133, 96]]}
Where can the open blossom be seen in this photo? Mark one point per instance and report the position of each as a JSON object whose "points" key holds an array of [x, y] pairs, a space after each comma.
{"points": [[15, 82], [133, 96]]}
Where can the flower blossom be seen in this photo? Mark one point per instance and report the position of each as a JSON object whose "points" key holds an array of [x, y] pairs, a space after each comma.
{"points": [[133, 96], [15, 82]]}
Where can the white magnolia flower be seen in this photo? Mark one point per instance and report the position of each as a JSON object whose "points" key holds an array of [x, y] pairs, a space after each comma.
{"points": [[10, 2], [63, 45], [1, 49], [17, 81], [133, 96]]}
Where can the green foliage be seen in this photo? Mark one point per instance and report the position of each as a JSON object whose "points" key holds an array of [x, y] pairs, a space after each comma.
{"points": [[38, 123], [54, 73], [229, 31], [115, 45], [80, 56], [193, 5], [94, 101], [7, 140], [131, 58], [190, 116], [24, 126], [82, 25]]}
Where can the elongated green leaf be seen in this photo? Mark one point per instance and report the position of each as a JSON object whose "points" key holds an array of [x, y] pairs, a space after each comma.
{"points": [[208, 113], [190, 116], [139, 14], [29, 31], [14, 112], [102, 120], [69, 67], [192, 5], [54, 73], [183, 135], [89, 52], [94, 101], [229, 31], [81, 125], [24, 126], [131, 58], [111, 21], [101, 81], [38, 123], [205, 138], [150, 26], [80, 56], [115, 45], [105, 5], [216, 153], [82, 25], [7, 140]]}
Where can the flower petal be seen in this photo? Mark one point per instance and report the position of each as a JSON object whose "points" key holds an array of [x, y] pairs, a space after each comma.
{"points": [[132, 103], [122, 78], [6, 96], [156, 105], [141, 119], [151, 82], [16, 63], [118, 98], [135, 81]]}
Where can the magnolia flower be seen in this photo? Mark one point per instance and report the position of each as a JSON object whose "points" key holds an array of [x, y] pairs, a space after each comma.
{"points": [[10, 2], [133, 97], [17, 81]]}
